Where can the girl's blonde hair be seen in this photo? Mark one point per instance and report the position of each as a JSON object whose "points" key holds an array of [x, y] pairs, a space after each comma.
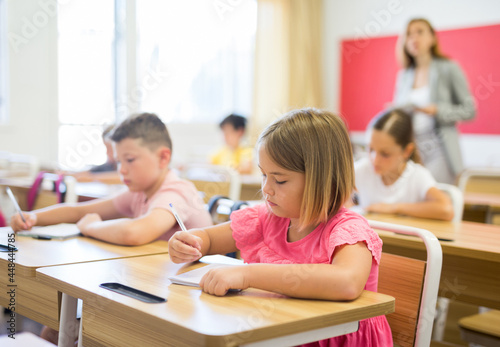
{"points": [[316, 143], [405, 58]]}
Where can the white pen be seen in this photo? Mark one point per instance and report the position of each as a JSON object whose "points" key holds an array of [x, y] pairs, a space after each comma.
{"points": [[14, 201], [179, 220]]}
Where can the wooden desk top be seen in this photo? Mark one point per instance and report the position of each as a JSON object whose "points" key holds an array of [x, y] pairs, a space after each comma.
{"points": [[34, 253], [22, 182], [192, 317], [87, 190], [492, 200], [472, 240]]}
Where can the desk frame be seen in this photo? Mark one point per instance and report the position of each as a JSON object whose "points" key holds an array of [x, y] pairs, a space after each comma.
{"points": [[315, 319]]}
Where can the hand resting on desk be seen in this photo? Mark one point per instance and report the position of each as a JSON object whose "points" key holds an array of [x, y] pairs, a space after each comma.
{"points": [[87, 220]]}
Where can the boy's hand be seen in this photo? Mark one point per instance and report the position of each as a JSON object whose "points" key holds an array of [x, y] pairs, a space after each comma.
{"points": [[87, 220], [219, 281], [17, 224], [184, 247]]}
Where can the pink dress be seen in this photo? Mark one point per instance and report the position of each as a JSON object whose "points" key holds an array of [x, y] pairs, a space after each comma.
{"points": [[261, 237]]}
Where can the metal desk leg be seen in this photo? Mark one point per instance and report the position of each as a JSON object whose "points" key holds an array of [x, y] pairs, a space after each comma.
{"points": [[68, 324], [80, 344]]}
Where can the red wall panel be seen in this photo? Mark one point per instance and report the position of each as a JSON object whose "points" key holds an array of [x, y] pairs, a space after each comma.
{"points": [[369, 68]]}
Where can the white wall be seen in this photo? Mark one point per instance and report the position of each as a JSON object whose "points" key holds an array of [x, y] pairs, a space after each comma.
{"points": [[33, 105], [357, 18], [32, 85], [32, 128]]}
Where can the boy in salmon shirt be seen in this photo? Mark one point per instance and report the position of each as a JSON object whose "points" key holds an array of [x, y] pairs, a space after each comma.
{"points": [[141, 214]]}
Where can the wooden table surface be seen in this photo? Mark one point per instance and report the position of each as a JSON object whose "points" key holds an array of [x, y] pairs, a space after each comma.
{"points": [[84, 190], [39, 302], [191, 317], [471, 256], [486, 199]]}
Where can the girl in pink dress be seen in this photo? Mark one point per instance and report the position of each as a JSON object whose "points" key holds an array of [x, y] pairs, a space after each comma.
{"points": [[307, 175]]}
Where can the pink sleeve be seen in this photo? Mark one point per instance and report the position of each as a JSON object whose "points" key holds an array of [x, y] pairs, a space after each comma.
{"points": [[352, 231], [187, 204], [123, 203], [247, 230]]}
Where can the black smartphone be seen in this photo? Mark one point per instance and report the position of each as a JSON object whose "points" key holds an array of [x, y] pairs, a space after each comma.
{"points": [[132, 292]]}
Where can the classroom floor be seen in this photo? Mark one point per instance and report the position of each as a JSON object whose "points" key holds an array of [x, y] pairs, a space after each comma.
{"points": [[22, 323], [451, 337]]}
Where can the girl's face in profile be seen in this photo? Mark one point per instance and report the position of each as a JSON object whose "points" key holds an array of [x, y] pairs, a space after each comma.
{"points": [[282, 189], [419, 39], [387, 156]]}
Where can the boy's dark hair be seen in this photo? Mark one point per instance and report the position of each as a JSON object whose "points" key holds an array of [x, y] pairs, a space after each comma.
{"points": [[145, 126], [237, 121]]}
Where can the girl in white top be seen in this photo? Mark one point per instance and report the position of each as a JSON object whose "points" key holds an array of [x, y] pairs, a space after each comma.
{"points": [[391, 180]]}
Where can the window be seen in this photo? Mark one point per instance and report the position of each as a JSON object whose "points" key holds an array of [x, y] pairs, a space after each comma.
{"points": [[3, 62], [195, 59], [189, 61], [86, 79]]}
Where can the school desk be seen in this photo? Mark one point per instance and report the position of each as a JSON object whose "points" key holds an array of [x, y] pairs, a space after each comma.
{"points": [[84, 190], [250, 187], [487, 201], [193, 318], [19, 187], [471, 256], [38, 301]]}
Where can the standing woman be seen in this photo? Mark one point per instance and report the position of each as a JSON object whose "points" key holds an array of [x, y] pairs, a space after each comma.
{"points": [[435, 90]]}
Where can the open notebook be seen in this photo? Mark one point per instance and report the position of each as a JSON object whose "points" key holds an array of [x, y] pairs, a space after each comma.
{"points": [[58, 231], [193, 277]]}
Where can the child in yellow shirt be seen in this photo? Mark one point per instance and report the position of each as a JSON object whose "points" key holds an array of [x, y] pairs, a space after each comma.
{"points": [[233, 154]]}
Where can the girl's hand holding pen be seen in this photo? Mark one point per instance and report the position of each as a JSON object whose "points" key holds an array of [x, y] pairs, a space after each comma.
{"points": [[184, 247], [17, 223]]}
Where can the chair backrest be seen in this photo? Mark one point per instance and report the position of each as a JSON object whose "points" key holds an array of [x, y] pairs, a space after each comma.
{"points": [[457, 199], [49, 189], [414, 283], [406, 288], [480, 180], [214, 180]]}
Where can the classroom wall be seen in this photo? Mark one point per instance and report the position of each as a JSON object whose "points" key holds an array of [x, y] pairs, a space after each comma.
{"points": [[33, 102], [32, 128], [32, 85], [374, 18]]}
